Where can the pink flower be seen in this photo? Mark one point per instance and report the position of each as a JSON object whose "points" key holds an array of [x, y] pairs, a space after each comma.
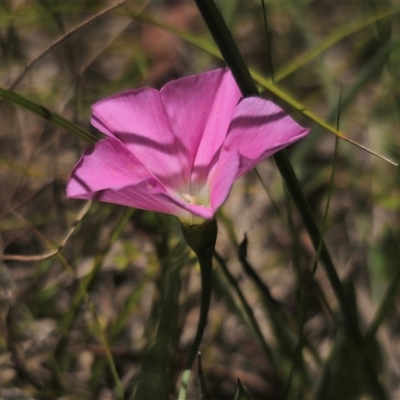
{"points": [[179, 150]]}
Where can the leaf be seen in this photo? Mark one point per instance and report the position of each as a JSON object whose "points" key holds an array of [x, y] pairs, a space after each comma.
{"points": [[156, 378], [242, 393], [234, 60], [344, 376], [242, 308], [45, 113]]}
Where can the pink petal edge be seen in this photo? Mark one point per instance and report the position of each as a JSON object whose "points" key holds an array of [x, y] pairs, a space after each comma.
{"points": [[258, 130], [108, 172], [138, 119]]}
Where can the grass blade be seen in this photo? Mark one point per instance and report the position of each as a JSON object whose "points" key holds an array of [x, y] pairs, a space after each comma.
{"points": [[45, 113], [336, 36], [230, 52], [265, 83]]}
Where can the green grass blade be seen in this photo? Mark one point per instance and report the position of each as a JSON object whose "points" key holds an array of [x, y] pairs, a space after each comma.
{"points": [[155, 380], [82, 294], [227, 45], [280, 325], [242, 392], [225, 42], [45, 113], [336, 36], [106, 346], [385, 306], [265, 83], [251, 321], [367, 74], [308, 293], [287, 99], [82, 291]]}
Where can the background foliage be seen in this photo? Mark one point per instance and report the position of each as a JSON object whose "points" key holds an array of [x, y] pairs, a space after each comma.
{"points": [[101, 302]]}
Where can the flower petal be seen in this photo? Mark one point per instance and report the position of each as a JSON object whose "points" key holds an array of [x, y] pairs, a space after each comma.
{"points": [[138, 119], [223, 179], [200, 109], [109, 172], [258, 129]]}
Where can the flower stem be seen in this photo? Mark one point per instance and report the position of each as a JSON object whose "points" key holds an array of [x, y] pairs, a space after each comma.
{"points": [[201, 239], [206, 278]]}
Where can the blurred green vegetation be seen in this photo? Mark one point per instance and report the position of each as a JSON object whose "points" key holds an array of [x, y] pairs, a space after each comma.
{"points": [[102, 302]]}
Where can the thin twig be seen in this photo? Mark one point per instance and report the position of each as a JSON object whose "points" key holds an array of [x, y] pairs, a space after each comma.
{"points": [[59, 42], [51, 253]]}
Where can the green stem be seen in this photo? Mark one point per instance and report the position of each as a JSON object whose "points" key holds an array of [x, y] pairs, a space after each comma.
{"points": [[201, 239], [205, 261]]}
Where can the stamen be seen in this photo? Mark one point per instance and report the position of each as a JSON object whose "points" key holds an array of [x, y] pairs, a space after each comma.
{"points": [[188, 198]]}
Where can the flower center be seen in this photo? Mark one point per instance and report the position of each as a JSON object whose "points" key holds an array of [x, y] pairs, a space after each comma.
{"points": [[189, 199], [194, 194]]}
